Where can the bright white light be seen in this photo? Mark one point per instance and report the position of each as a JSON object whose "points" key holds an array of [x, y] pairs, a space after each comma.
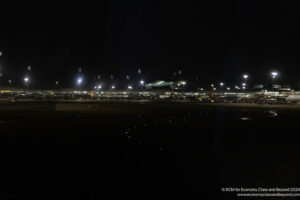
{"points": [[228, 88], [129, 87], [243, 84], [274, 74], [142, 82], [183, 83], [26, 79], [244, 87], [56, 82], [9, 81], [245, 76], [29, 68], [79, 81], [212, 85], [113, 87], [201, 89], [95, 87], [99, 87], [214, 88], [221, 84]]}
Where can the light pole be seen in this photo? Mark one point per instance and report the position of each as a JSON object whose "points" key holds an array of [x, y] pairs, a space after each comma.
{"points": [[26, 78], [245, 76], [26, 81], [222, 84], [79, 83], [274, 75], [244, 89], [212, 87], [142, 83]]}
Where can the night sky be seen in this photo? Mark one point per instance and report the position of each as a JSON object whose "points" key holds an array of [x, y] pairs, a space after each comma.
{"points": [[214, 41]]}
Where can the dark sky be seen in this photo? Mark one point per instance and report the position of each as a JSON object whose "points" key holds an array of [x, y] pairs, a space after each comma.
{"points": [[210, 40]]}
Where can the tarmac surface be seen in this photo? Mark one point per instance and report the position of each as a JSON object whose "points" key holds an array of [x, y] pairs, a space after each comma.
{"points": [[154, 149]]}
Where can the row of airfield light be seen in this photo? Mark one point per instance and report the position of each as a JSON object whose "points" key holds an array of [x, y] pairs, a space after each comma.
{"points": [[244, 84], [274, 75], [99, 87], [80, 81], [142, 83]]}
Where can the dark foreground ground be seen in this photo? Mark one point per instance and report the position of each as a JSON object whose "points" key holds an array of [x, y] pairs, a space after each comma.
{"points": [[142, 150]]}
